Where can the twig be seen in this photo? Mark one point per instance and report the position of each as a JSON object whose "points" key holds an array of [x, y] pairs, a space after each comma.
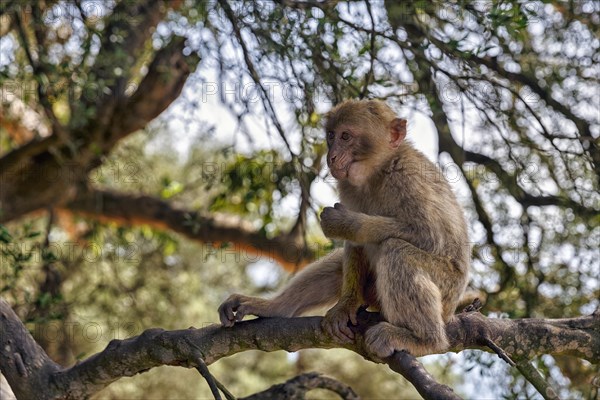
{"points": [[533, 376], [475, 306], [498, 350], [372, 54], [267, 103], [409, 367], [212, 382], [226, 392]]}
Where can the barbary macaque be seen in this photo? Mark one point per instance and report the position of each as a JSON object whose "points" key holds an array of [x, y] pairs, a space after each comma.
{"points": [[406, 249]]}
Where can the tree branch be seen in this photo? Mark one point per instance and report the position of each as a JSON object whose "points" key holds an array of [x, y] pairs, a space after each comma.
{"points": [[253, 72], [162, 84], [129, 27], [21, 155], [29, 371], [24, 364], [39, 68], [509, 181], [20, 169], [460, 156], [139, 210], [527, 338], [534, 377], [458, 153], [296, 388], [585, 136], [210, 380], [408, 366]]}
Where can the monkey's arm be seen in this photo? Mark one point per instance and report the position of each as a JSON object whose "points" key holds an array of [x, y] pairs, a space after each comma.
{"points": [[339, 222], [351, 298]]}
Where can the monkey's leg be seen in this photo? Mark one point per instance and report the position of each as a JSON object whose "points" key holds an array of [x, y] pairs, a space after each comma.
{"points": [[317, 285], [410, 301], [355, 269]]}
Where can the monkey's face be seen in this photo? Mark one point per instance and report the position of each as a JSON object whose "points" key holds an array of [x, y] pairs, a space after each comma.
{"points": [[361, 136], [348, 150]]}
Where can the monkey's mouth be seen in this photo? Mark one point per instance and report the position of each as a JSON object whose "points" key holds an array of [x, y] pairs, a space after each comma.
{"points": [[341, 172]]}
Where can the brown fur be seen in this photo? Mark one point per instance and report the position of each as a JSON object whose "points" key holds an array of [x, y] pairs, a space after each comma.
{"points": [[407, 250]]}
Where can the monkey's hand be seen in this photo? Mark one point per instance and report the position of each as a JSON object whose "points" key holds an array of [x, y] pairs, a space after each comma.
{"points": [[335, 322], [237, 306], [339, 222]]}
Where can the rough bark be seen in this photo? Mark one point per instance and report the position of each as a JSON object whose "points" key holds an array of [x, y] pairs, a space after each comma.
{"points": [[29, 371], [24, 364]]}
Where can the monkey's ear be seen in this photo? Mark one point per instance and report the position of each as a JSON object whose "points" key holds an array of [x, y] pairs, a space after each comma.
{"points": [[397, 132]]}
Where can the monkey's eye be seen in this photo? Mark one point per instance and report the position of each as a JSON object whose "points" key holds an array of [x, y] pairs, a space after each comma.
{"points": [[330, 136], [345, 136]]}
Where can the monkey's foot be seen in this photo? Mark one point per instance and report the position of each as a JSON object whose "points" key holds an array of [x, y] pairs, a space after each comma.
{"points": [[335, 322], [383, 339], [237, 306]]}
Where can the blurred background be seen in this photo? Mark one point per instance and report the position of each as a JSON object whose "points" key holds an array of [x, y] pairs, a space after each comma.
{"points": [[157, 156]]}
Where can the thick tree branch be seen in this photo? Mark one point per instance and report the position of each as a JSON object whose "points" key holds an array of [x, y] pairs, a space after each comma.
{"points": [[19, 156], [139, 210], [23, 359], [162, 84], [24, 364], [527, 338]]}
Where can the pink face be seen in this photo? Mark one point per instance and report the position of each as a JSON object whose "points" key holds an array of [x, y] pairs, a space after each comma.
{"points": [[346, 148], [350, 150]]}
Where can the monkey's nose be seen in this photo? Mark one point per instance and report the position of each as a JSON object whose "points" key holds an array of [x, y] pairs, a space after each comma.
{"points": [[332, 159]]}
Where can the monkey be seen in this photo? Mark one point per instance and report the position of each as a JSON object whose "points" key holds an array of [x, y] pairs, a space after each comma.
{"points": [[406, 251]]}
